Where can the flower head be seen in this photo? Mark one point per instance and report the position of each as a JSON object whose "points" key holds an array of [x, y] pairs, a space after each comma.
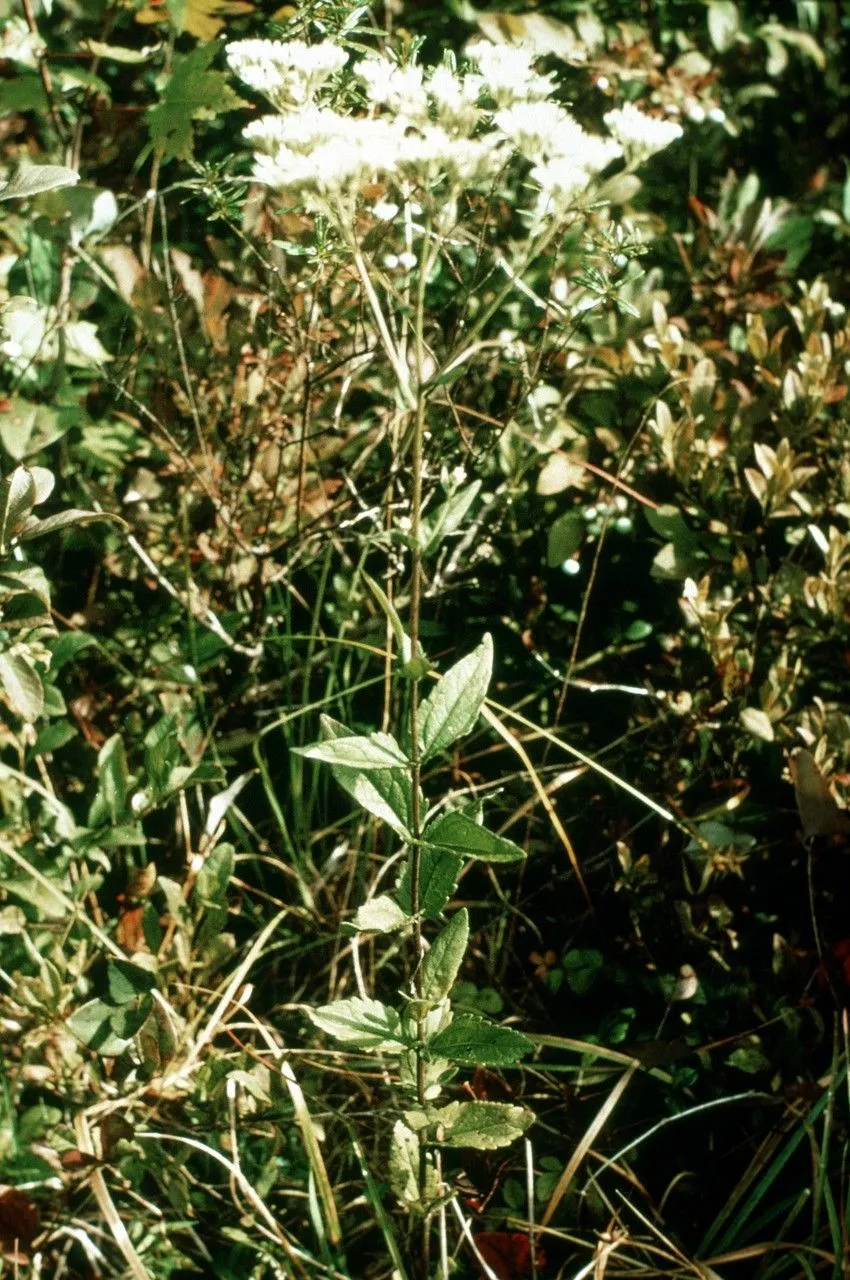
{"points": [[507, 73], [401, 89], [455, 100], [641, 135], [288, 73]]}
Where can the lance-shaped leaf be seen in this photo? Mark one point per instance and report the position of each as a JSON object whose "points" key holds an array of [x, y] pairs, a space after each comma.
{"points": [[474, 1042], [481, 1125], [385, 793], [35, 178], [21, 686], [358, 751], [35, 528], [363, 1024], [453, 706], [17, 499], [463, 835], [442, 963]]}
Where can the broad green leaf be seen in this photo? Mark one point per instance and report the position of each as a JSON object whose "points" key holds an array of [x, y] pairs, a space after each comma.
{"points": [[484, 1126], [26, 428], [405, 1170], [18, 579], [192, 92], [581, 968], [110, 803], [17, 498], [107, 1029], [363, 1024], [127, 981], [22, 687], [214, 876], [380, 915], [463, 835], [35, 178], [438, 873], [442, 963], [473, 1041], [448, 517], [453, 706], [162, 752], [357, 751], [385, 793], [565, 537]]}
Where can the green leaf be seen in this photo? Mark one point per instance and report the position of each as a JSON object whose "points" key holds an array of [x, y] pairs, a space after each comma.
{"points": [[22, 687], [35, 528], [106, 1029], [442, 963], [565, 537], [363, 1024], [26, 428], [405, 1171], [23, 92], [17, 499], [162, 752], [453, 706], [380, 915], [23, 580], [192, 92], [462, 834], [449, 516], [110, 803], [438, 873], [581, 968], [127, 981], [474, 1042], [357, 751], [214, 876], [484, 1126], [385, 793], [35, 178]]}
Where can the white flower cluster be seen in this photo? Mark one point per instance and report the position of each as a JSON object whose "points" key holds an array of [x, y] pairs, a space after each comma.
{"points": [[438, 131], [507, 73], [639, 134], [289, 73]]}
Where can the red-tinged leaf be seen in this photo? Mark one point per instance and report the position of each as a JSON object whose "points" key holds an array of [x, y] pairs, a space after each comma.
{"points": [[20, 1221], [508, 1253]]}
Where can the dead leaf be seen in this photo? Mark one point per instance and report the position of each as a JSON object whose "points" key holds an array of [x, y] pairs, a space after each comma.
{"points": [[819, 810], [201, 18]]}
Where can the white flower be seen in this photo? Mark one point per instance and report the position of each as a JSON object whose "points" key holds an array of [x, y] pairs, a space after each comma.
{"points": [[641, 135], [537, 129], [399, 88], [384, 210], [19, 44], [289, 73], [507, 73], [430, 154], [560, 181], [454, 98], [298, 131]]}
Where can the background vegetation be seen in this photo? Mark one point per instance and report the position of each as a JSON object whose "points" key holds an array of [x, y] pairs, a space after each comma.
{"points": [[635, 480]]}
